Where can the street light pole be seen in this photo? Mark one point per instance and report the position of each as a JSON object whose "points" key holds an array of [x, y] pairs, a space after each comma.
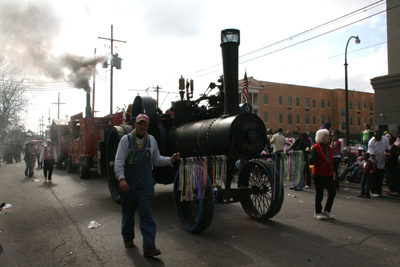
{"points": [[347, 89]]}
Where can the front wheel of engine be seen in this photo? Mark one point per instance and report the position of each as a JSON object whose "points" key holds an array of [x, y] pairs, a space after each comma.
{"points": [[196, 215], [267, 195]]}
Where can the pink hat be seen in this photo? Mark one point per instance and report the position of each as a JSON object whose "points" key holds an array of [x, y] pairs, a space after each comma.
{"points": [[142, 117]]}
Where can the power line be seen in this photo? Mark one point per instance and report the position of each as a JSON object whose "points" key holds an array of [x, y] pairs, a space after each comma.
{"points": [[289, 46], [283, 40]]}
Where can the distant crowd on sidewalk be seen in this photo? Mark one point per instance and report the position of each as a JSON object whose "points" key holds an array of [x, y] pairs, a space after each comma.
{"points": [[376, 160]]}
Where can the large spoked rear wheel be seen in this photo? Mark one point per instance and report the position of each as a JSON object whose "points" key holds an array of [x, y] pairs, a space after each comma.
{"points": [[267, 195], [197, 215]]}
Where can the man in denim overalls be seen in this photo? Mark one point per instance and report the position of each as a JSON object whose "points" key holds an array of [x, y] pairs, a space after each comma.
{"points": [[136, 154]]}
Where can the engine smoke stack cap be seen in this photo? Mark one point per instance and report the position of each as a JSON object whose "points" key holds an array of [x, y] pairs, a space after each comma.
{"points": [[230, 36]]}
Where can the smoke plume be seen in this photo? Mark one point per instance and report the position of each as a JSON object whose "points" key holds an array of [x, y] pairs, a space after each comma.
{"points": [[30, 29]]}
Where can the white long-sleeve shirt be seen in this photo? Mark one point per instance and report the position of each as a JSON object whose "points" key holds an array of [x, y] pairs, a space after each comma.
{"points": [[122, 152], [47, 149], [378, 148]]}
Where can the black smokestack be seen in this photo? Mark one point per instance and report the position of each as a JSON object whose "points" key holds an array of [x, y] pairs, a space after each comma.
{"points": [[230, 41]]}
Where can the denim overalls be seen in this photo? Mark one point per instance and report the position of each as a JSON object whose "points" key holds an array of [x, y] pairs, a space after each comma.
{"points": [[140, 196]]}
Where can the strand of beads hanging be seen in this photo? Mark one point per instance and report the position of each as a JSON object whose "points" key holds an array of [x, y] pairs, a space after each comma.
{"points": [[136, 150]]}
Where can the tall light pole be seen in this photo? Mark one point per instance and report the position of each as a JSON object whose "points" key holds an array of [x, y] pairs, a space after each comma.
{"points": [[346, 89]]}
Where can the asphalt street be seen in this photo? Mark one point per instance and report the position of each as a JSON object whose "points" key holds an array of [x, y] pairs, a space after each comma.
{"points": [[48, 226]]}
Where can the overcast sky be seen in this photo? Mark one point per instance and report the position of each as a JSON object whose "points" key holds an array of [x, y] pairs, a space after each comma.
{"points": [[169, 38]]}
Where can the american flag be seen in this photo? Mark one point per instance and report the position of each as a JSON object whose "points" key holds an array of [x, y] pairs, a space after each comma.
{"points": [[245, 90]]}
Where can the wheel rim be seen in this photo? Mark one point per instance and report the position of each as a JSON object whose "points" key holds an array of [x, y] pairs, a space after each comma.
{"points": [[259, 203], [197, 215]]}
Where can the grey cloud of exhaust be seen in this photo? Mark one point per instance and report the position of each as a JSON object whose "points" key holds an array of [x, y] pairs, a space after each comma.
{"points": [[30, 30]]}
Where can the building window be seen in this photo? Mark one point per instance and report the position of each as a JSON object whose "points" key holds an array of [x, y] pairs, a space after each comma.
{"points": [[280, 100], [322, 103], [297, 101], [289, 118], [265, 116], [289, 101], [370, 107], [365, 106], [314, 120], [351, 121], [307, 103], [329, 103], [322, 120], [343, 126], [314, 103], [255, 98], [371, 120], [365, 120], [329, 119], [351, 105], [280, 118], [307, 119], [358, 106], [255, 111], [358, 121], [343, 112], [297, 119], [265, 99]]}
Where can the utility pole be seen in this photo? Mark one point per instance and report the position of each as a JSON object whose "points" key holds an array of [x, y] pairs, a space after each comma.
{"points": [[158, 88], [41, 124], [111, 66], [58, 103], [94, 83], [49, 120]]}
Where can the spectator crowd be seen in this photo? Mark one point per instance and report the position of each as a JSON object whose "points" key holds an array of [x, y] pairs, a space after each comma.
{"points": [[376, 160]]}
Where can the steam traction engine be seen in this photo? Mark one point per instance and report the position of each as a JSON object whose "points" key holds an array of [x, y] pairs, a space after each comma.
{"points": [[210, 139]]}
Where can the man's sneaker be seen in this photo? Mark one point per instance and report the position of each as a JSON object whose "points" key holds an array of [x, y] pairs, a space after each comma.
{"points": [[129, 244], [375, 195], [151, 252], [382, 195], [320, 216], [329, 215], [306, 187], [395, 194]]}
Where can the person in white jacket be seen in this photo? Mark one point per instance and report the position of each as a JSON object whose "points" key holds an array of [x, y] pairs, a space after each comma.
{"points": [[48, 157]]}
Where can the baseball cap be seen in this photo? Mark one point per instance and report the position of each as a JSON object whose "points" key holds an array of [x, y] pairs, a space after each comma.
{"points": [[360, 148], [142, 117]]}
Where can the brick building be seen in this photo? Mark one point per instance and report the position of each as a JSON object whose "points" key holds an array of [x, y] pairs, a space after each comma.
{"points": [[287, 106]]}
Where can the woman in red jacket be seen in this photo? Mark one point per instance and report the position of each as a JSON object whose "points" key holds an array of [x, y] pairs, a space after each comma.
{"points": [[322, 158]]}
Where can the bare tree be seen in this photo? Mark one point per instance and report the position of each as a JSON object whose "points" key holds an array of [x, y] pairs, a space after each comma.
{"points": [[13, 100]]}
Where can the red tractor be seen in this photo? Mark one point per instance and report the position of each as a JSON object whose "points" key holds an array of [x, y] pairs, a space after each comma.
{"points": [[87, 142]]}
